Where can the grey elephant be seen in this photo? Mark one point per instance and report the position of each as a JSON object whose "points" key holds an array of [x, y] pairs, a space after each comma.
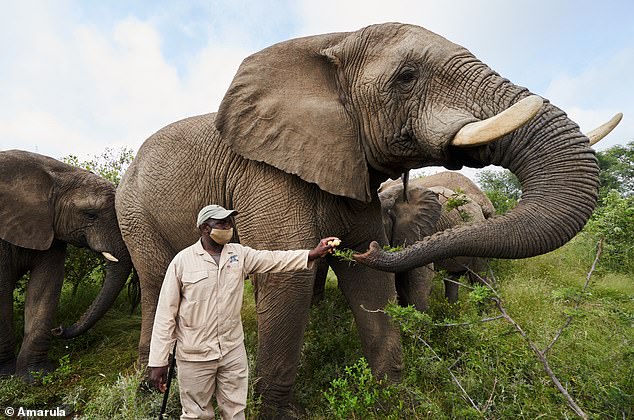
{"points": [[307, 131], [424, 211], [44, 205]]}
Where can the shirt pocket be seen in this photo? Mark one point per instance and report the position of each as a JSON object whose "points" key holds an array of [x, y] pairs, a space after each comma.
{"points": [[196, 285]]}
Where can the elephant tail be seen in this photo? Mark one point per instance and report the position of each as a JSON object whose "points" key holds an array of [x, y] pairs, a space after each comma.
{"points": [[134, 291]]}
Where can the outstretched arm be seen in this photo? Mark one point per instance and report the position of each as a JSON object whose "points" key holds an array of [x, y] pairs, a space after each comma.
{"points": [[277, 261]]}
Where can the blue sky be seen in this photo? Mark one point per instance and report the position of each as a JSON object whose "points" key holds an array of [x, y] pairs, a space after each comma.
{"points": [[79, 76]]}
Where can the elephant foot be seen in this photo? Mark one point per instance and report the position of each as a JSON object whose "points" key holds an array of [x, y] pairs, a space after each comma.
{"points": [[7, 368], [288, 412], [277, 402], [34, 372]]}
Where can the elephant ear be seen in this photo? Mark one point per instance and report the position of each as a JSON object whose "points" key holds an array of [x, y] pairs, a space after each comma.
{"points": [[411, 219], [424, 210], [26, 213], [285, 108]]}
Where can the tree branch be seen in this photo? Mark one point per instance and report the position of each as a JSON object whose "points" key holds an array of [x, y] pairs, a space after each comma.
{"points": [[542, 358], [578, 301]]}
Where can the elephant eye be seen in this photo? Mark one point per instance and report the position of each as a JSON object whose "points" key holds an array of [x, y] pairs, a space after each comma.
{"points": [[406, 77], [91, 216]]}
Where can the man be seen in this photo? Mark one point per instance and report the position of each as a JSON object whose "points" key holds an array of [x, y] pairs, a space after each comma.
{"points": [[199, 308]]}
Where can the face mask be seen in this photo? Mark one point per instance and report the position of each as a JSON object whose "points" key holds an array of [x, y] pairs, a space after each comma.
{"points": [[221, 236]]}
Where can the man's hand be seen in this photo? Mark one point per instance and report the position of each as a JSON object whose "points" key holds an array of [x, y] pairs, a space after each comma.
{"points": [[324, 247], [158, 377]]}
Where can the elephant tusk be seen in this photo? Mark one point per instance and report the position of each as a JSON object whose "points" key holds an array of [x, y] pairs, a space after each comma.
{"points": [[485, 131], [603, 130], [109, 257]]}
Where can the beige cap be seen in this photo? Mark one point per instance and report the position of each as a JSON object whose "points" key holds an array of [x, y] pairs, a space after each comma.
{"points": [[213, 211]]}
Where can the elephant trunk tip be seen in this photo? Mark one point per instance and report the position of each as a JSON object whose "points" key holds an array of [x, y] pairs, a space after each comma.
{"points": [[58, 331], [65, 333], [371, 256]]}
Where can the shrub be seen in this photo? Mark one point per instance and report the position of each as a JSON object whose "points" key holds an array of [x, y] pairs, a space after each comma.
{"points": [[614, 222], [359, 395]]}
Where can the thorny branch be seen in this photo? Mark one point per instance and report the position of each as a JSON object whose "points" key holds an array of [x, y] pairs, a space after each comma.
{"points": [[541, 355], [437, 357], [578, 301], [542, 358]]}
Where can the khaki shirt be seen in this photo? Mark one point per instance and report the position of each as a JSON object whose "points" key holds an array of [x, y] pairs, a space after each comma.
{"points": [[200, 301]]}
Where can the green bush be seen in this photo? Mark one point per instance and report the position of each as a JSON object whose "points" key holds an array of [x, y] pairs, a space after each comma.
{"points": [[127, 398], [614, 223], [593, 357], [359, 395], [502, 187]]}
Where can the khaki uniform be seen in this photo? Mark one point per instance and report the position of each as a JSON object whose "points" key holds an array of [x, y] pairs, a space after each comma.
{"points": [[199, 307]]}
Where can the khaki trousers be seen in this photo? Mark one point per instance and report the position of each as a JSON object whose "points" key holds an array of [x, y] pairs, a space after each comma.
{"points": [[226, 377]]}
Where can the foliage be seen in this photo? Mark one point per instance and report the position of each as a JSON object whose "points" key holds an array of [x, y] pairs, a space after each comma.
{"points": [[359, 395], [502, 187], [129, 399], [86, 363], [480, 294], [58, 376], [82, 265], [593, 358], [456, 201], [389, 248], [111, 164], [616, 166], [614, 222], [344, 254]]}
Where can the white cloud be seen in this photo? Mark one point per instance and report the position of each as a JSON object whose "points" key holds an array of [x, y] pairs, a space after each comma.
{"points": [[80, 90], [70, 85]]}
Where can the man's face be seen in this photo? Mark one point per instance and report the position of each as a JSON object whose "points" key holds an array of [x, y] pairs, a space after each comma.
{"points": [[222, 224]]}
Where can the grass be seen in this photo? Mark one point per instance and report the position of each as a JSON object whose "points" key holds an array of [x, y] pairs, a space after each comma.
{"points": [[593, 358]]}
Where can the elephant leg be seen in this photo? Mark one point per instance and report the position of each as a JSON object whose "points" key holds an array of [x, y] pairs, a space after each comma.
{"points": [[283, 305], [151, 263], [8, 279], [367, 291], [42, 298], [414, 287], [319, 289], [451, 288]]}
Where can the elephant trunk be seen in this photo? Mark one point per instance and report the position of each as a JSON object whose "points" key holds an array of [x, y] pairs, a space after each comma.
{"points": [[117, 274], [559, 175]]}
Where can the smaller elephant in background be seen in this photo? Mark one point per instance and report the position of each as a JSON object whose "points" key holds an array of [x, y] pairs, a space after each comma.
{"points": [[44, 205], [432, 204]]}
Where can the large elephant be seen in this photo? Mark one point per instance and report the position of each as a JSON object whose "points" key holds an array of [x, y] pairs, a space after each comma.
{"points": [[44, 205], [306, 133], [429, 207]]}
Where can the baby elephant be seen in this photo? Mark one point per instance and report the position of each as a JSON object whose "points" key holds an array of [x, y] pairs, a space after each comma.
{"points": [[433, 204]]}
